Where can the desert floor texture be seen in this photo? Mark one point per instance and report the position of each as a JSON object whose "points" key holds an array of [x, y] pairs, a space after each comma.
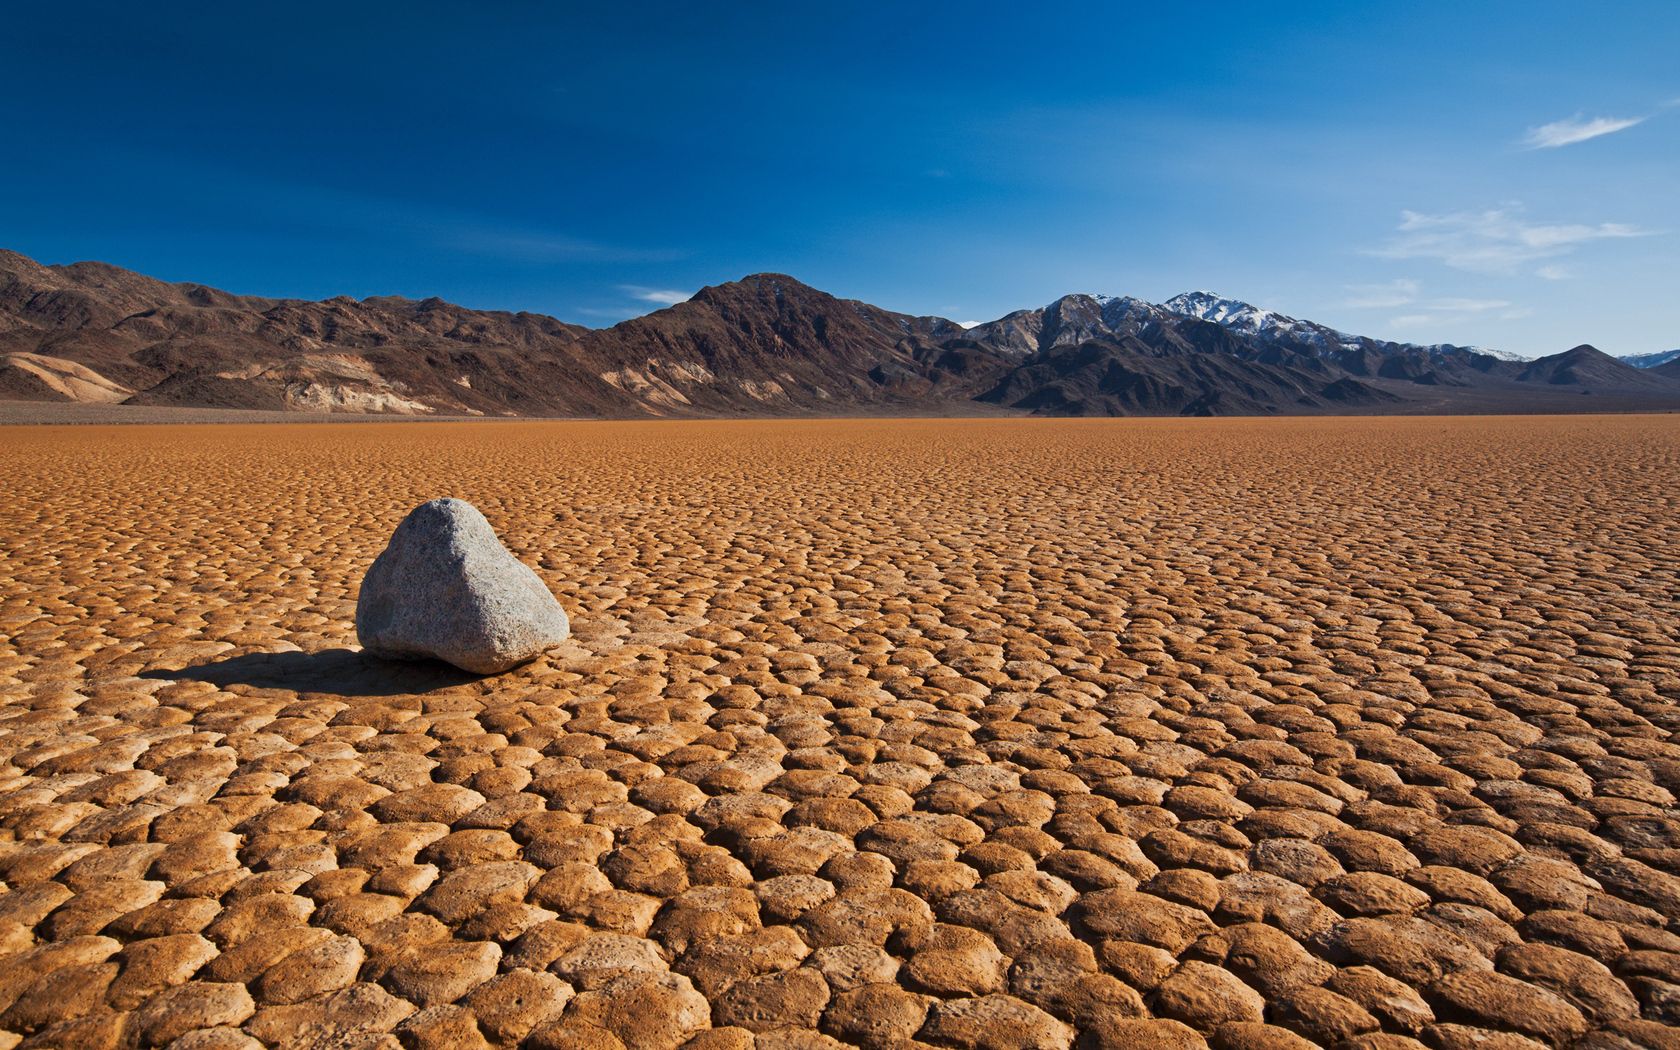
{"points": [[1003, 734]]}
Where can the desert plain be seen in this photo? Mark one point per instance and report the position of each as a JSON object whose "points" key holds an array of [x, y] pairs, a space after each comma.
{"points": [[1007, 733]]}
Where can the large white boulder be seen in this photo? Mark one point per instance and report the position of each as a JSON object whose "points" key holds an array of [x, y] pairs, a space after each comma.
{"points": [[445, 588]]}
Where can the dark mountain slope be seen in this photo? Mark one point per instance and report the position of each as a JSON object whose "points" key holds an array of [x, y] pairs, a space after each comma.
{"points": [[186, 344], [768, 344], [1587, 366], [1134, 377]]}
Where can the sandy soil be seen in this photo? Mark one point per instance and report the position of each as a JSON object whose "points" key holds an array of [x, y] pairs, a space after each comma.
{"points": [[1134, 733], [56, 413]]}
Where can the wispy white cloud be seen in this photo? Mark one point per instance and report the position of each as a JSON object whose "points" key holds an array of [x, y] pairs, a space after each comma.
{"points": [[1496, 241], [1467, 306], [1404, 291], [527, 247], [1553, 273], [1576, 129], [661, 296], [1450, 310], [1385, 296]]}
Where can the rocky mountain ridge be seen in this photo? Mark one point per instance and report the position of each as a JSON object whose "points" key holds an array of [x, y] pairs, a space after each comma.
{"points": [[764, 345], [1656, 360]]}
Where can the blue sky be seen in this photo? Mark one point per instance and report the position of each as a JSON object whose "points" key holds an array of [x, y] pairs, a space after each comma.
{"points": [[1418, 171]]}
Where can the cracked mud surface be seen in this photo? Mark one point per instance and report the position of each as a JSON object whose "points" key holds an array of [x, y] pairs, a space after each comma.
{"points": [[1123, 733]]}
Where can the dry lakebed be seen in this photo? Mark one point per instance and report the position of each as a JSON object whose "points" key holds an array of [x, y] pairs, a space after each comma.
{"points": [[1251, 734]]}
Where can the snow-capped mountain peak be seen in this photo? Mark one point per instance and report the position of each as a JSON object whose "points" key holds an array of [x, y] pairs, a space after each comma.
{"points": [[1083, 316], [1232, 313], [1502, 355], [1271, 325]]}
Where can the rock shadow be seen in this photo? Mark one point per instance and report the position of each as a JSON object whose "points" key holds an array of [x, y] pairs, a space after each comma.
{"points": [[340, 672]]}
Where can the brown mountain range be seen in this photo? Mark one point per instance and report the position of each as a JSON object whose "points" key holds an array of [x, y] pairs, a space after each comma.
{"points": [[764, 345]]}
